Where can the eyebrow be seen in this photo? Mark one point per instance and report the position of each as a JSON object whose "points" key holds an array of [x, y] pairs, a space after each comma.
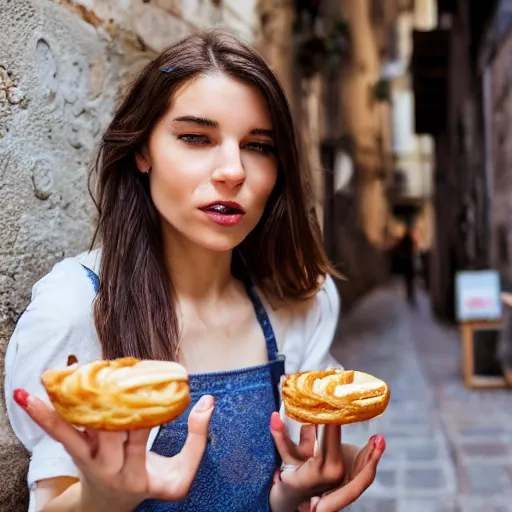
{"points": [[203, 121]]}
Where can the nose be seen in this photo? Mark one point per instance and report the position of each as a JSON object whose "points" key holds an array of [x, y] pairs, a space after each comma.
{"points": [[230, 168]]}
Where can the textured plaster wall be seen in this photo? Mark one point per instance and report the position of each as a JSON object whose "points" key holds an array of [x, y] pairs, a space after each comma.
{"points": [[62, 64]]}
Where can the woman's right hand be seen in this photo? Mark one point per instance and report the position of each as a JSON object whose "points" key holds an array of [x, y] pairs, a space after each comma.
{"points": [[116, 471]]}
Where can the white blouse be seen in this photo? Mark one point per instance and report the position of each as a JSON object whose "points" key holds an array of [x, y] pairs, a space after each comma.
{"points": [[59, 322]]}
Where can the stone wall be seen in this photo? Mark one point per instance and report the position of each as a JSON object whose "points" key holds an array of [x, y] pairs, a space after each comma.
{"points": [[62, 64], [500, 113]]}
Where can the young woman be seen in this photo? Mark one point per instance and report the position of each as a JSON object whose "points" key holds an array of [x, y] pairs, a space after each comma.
{"points": [[208, 256]]}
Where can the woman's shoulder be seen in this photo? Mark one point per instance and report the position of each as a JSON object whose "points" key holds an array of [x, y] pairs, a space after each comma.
{"points": [[58, 320], [69, 271], [305, 329], [67, 291], [57, 323], [310, 311]]}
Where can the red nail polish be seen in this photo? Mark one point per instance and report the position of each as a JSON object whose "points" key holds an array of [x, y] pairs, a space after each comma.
{"points": [[276, 423], [21, 397], [380, 443]]}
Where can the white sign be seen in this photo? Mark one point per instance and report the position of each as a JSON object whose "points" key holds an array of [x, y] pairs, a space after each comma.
{"points": [[477, 295]]}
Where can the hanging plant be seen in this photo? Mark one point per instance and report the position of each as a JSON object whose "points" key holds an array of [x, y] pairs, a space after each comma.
{"points": [[311, 54], [382, 90], [338, 44], [316, 51]]}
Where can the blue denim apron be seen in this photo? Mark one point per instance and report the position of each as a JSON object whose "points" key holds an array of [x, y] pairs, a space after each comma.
{"points": [[240, 457]]}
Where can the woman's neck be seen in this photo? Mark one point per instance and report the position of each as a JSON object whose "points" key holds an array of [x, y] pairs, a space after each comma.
{"points": [[197, 272]]}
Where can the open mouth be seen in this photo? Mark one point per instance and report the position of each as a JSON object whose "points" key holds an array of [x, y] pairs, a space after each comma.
{"points": [[225, 213], [223, 209]]}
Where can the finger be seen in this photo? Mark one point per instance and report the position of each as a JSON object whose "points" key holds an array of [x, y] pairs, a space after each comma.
{"points": [[331, 445], [110, 452], [307, 506], [361, 458], [307, 441], [287, 449], [92, 437], [135, 456], [376, 442], [195, 444], [347, 494], [47, 418]]}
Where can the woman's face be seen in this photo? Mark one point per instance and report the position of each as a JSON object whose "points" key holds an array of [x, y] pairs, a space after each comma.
{"points": [[211, 162]]}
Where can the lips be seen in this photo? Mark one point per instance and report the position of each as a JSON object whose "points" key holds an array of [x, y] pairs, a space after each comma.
{"points": [[224, 208], [224, 213]]}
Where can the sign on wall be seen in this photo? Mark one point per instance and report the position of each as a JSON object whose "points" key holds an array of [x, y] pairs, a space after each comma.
{"points": [[477, 295]]}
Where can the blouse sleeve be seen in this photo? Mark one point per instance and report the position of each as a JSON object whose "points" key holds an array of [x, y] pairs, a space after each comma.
{"points": [[56, 324], [320, 329]]}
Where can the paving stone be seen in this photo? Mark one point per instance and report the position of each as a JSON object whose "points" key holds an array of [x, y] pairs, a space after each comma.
{"points": [[433, 422], [508, 471], [400, 421], [481, 431], [423, 452], [487, 479], [417, 432], [427, 505], [386, 477], [424, 478], [475, 504], [365, 504], [485, 450]]}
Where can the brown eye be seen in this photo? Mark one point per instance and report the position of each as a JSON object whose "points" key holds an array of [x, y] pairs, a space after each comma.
{"points": [[266, 149], [194, 139]]}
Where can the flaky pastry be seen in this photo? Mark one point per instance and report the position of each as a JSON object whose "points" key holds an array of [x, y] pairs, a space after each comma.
{"points": [[122, 394], [334, 396]]}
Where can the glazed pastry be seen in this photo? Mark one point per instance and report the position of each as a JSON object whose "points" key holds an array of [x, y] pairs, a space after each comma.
{"points": [[334, 396], [123, 394]]}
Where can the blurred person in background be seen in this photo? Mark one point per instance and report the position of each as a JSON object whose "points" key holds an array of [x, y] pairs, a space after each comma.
{"points": [[407, 251], [208, 256]]}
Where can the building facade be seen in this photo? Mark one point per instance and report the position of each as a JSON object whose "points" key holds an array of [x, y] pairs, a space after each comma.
{"points": [[495, 57], [449, 102]]}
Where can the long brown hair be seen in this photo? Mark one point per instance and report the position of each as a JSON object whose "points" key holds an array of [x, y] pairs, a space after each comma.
{"points": [[134, 309]]}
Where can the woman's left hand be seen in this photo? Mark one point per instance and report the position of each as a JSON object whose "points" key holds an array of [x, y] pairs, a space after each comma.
{"points": [[331, 476]]}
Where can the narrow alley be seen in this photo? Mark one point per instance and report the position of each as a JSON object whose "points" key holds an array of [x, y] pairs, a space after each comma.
{"points": [[448, 448]]}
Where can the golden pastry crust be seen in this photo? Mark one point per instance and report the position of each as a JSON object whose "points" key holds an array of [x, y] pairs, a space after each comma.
{"points": [[334, 397], [122, 394]]}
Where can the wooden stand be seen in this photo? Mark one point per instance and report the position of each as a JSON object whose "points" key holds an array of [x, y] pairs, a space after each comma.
{"points": [[472, 381]]}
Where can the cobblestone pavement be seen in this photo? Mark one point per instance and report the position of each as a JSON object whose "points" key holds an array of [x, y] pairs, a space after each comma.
{"points": [[448, 449]]}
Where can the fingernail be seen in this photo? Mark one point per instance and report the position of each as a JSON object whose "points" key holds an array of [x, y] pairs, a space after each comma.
{"points": [[380, 443], [204, 404], [21, 397], [276, 423]]}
